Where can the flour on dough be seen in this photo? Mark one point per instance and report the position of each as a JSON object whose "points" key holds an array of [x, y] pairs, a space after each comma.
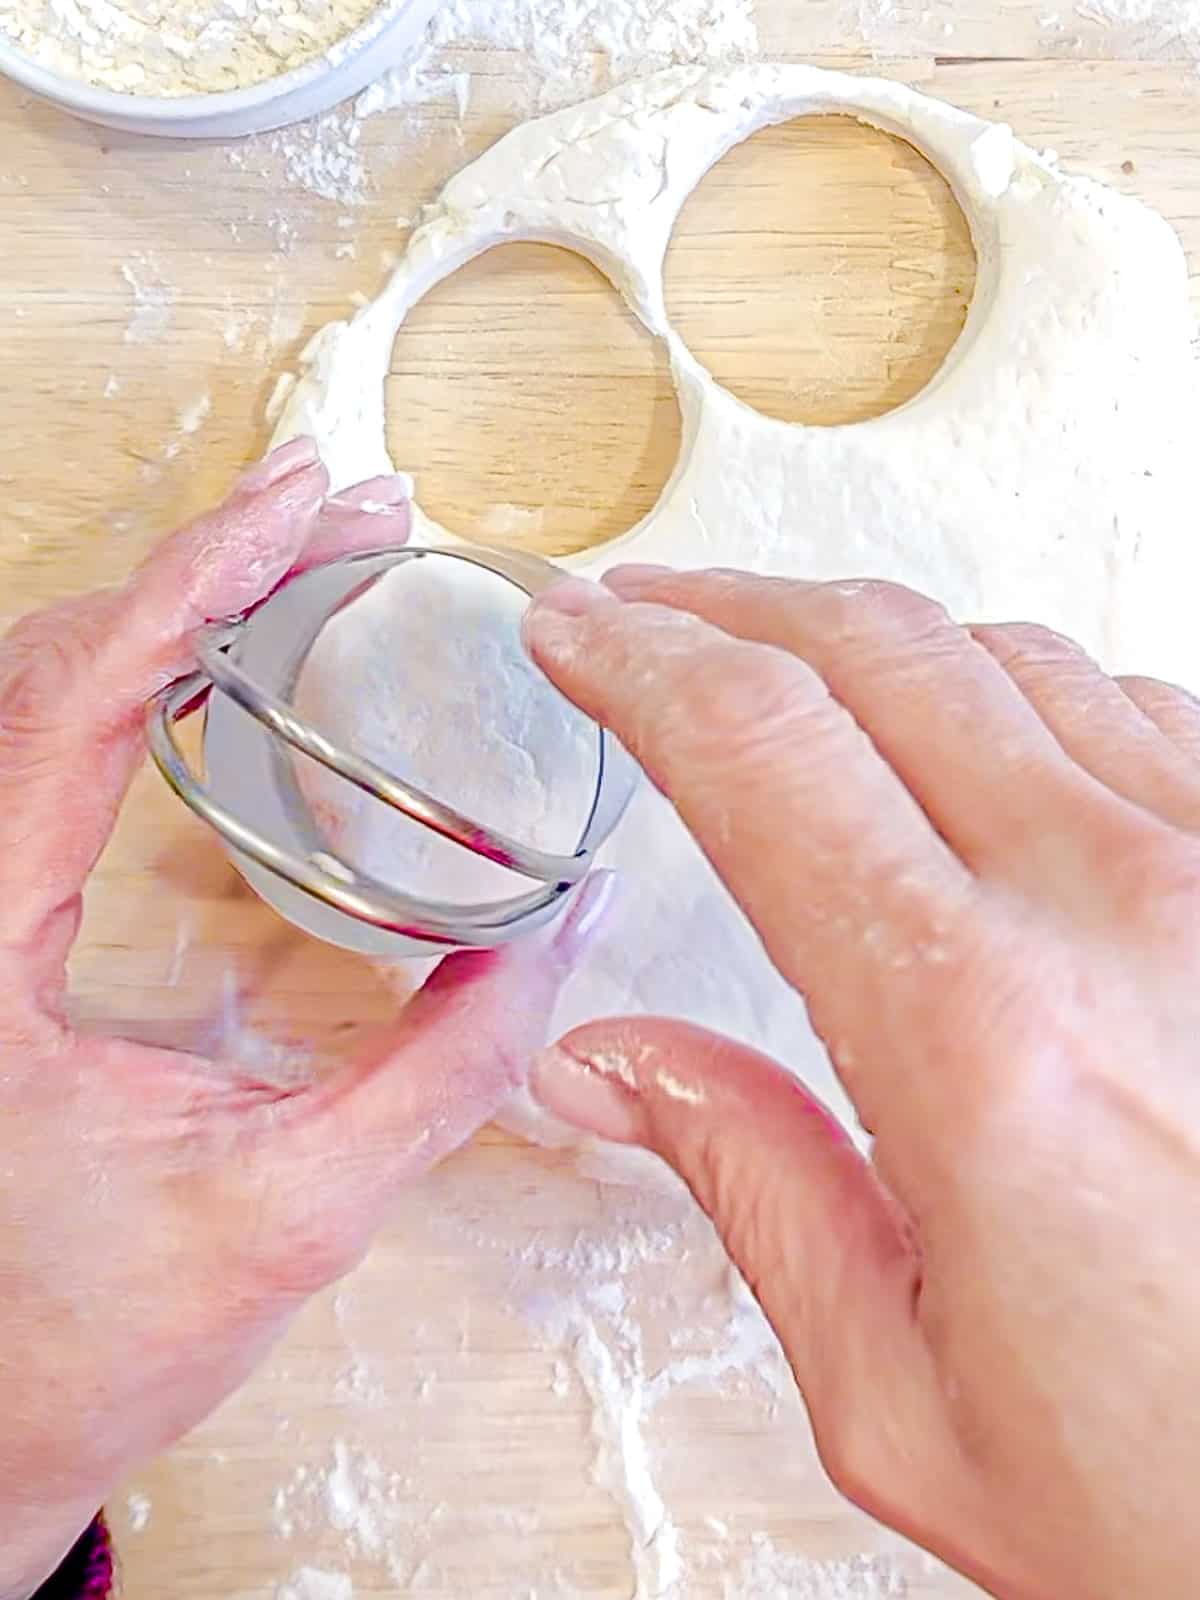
{"points": [[1046, 472], [426, 675]]}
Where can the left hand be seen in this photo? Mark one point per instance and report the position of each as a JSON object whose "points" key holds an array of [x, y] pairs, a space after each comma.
{"points": [[162, 1216]]}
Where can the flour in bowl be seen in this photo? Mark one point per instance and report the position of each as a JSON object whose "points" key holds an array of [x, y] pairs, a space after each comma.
{"points": [[173, 48]]}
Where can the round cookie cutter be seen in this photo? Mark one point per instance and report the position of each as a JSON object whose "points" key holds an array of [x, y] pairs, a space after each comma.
{"points": [[249, 668]]}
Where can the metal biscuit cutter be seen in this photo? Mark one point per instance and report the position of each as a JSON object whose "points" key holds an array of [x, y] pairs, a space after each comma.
{"points": [[249, 668]]}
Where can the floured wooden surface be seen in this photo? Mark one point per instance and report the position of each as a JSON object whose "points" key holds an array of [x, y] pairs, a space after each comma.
{"points": [[443, 1423]]}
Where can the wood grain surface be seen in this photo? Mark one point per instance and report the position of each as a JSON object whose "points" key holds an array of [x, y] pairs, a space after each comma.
{"points": [[430, 1426]]}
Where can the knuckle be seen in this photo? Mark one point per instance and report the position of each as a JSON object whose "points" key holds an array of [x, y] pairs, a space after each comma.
{"points": [[995, 1004], [874, 607], [748, 702], [1156, 879], [1028, 649], [43, 661]]}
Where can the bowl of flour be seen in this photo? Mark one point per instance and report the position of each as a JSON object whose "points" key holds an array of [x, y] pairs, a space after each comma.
{"points": [[203, 68]]}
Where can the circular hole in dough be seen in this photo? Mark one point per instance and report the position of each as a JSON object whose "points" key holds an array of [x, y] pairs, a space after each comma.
{"points": [[821, 271], [532, 407]]}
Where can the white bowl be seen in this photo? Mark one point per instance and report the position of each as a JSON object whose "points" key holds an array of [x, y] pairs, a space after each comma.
{"points": [[356, 61]]}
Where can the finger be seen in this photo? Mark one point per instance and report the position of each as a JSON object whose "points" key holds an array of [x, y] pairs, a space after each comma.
{"points": [[1099, 726], [373, 515], [74, 680], [1173, 711], [953, 726], [851, 890], [804, 1217], [460, 1048]]}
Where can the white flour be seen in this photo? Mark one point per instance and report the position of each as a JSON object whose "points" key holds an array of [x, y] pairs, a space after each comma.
{"points": [[315, 1583], [138, 1507], [558, 50], [598, 1302], [772, 1574], [575, 47], [1157, 28], [154, 298], [322, 156], [164, 47]]}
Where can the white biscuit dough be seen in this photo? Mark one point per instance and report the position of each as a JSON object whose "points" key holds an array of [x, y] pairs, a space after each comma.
{"points": [[1046, 472]]}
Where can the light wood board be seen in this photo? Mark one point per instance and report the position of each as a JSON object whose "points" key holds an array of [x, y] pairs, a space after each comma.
{"points": [[152, 293]]}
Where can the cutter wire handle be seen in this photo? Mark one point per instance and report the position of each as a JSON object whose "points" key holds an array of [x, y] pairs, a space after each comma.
{"points": [[413, 802], [321, 873]]}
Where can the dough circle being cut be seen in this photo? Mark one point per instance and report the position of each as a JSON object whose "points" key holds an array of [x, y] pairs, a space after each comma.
{"points": [[1046, 472]]}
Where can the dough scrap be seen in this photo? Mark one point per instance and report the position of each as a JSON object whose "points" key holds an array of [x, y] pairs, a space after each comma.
{"points": [[1046, 471]]}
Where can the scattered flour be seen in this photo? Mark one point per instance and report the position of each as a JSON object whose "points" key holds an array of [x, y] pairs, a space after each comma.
{"points": [[1155, 28], [377, 1511], [138, 1508], [576, 47], [195, 414], [594, 1303], [154, 298], [322, 156], [560, 51], [772, 1574], [315, 1583]]}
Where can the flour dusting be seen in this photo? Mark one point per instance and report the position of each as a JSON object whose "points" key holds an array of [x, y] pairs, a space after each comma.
{"points": [[1155, 28], [154, 297], [138, 1507], [574, 47], [559, 50], [316, 1583], [427, 676], [769, 1573]]}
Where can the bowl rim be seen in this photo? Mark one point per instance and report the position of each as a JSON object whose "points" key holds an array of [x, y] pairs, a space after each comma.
{"points": [[78, 94]]}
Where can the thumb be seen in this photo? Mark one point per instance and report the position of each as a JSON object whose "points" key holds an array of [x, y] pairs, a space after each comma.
{"points": [[819, 1240], [424, 1085]]}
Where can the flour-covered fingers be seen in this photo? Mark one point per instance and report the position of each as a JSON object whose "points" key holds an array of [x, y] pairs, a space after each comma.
{"points": [[1175, 712], [1099, 725], [942, 713], [841, 873], [74, 681]]}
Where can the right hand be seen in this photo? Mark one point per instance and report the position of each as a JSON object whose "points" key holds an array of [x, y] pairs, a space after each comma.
{"points": [[978, 859]]}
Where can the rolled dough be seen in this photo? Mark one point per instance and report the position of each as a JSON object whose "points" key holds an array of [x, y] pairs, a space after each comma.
{"points": [[1046, 472]]}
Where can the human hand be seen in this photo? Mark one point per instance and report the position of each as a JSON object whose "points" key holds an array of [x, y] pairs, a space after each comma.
{"points": [[162, 1216], [978, 859]]}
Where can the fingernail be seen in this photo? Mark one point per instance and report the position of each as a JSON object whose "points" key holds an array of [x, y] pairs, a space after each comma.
{"points": [[573, 597], [590, 1095], [633, 578], [296, 456], [585, 915], [550, 626], [376, 494]]}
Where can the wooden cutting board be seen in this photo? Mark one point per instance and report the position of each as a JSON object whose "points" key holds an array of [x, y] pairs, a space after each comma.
{"points": [[420, 1430]]}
